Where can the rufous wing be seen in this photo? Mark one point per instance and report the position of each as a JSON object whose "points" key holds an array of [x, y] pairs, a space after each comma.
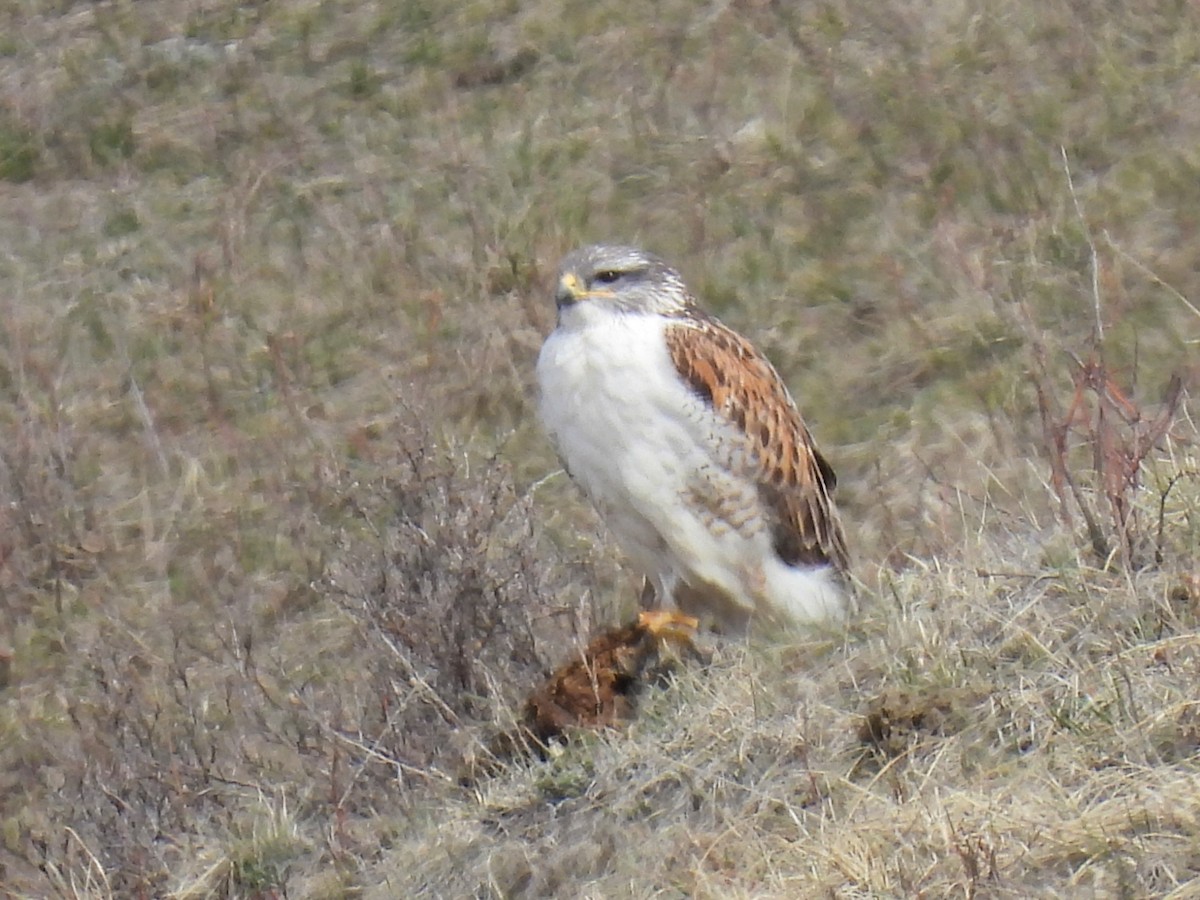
{"points": [[743, 388]]}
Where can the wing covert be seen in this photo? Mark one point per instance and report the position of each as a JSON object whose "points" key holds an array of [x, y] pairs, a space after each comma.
{"points": [[742, 387]]}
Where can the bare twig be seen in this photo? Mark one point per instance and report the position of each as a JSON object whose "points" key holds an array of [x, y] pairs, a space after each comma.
{"points": [[1095, 260], [1162, 509], [1149, 273]]}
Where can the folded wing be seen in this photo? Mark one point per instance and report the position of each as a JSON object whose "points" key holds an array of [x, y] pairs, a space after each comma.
{"points": [[794, 481]]}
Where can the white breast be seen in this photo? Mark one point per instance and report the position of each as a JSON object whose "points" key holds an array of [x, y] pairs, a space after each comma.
{"points": [[640, 445], [607, 392]]}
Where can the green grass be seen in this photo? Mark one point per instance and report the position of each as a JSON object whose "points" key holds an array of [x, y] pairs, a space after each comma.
{"points": [[277, 543]]}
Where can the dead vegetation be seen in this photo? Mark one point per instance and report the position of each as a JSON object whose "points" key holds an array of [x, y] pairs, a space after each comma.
{"points": [[281, 543], [598, 689]]}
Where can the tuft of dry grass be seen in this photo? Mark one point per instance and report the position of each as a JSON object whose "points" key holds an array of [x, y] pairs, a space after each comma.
{"points": [[280, 540], [1062, 756]]}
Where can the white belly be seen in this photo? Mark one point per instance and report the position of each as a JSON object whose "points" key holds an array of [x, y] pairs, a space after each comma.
{"points": [[655, 461], [604, 393]]}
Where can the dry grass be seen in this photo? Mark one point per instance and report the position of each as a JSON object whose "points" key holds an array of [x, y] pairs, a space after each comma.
{"points": [[280, 540], [1065, 757]]}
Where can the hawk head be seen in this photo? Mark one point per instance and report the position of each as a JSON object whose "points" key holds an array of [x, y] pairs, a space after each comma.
{"points": [[605, 279]]}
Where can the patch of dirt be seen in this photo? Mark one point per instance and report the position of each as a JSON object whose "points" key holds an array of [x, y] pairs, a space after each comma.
{"points": [[894, 718]]}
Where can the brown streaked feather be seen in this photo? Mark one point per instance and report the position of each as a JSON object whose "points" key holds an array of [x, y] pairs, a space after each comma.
{"points": [[794, 480]]}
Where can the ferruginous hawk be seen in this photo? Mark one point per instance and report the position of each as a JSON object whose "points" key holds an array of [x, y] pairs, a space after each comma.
{"points": [[687, 442]]}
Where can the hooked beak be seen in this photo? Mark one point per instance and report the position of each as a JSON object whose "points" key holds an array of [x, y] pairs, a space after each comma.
{"points": [[570, 290]]}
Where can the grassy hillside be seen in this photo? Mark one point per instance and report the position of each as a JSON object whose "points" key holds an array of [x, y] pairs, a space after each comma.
{"points": [[281, 543]]}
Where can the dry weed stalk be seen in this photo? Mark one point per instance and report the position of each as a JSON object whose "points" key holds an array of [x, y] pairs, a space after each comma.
{"points": [[1104, 418], [1120, 434]]}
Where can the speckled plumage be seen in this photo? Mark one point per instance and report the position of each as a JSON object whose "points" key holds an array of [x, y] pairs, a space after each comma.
{"points": [[687, 442]]}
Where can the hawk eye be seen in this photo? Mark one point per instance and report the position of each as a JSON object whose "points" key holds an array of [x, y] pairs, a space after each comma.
{"points": [[606, 276]]}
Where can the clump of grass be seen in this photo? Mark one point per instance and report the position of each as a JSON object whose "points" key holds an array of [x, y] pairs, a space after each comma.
{"points": [[254, 861], [112, 141], [19, 152], [756, 771]]}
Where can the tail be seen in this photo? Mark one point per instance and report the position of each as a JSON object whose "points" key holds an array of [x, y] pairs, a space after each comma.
{"points": [[807, 595]]}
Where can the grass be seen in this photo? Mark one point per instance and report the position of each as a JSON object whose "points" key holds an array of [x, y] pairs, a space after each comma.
{"points": [[280, 541], [1050, 766]]}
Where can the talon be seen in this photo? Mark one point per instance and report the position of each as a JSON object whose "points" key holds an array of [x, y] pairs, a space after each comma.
{"points": [[669, 624]]}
